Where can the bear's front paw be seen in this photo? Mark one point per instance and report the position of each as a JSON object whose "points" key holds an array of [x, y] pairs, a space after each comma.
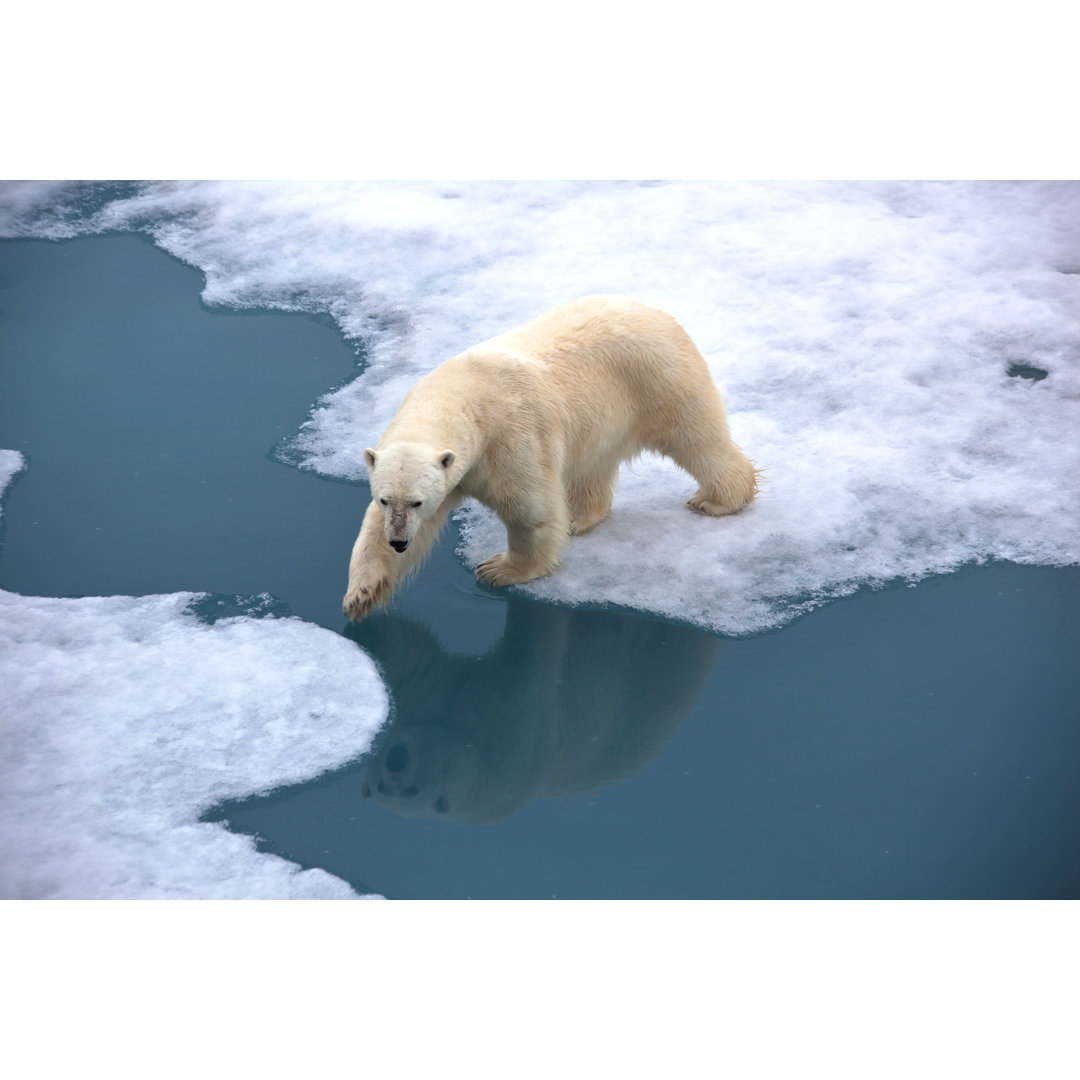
{"points": [[363, 596], [502, 570]]}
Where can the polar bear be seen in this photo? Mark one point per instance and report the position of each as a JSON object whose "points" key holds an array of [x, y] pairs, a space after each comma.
{"points": [[535, 423]]}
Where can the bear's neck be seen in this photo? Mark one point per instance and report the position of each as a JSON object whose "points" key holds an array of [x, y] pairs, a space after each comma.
{"points": [[443, 417]]}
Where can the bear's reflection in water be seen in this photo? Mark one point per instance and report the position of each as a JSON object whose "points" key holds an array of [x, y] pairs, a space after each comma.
{"points": [[567, 701]]}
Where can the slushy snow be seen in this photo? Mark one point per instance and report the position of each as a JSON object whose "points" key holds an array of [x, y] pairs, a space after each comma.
{"points": [[862, 335], [124, 718]]}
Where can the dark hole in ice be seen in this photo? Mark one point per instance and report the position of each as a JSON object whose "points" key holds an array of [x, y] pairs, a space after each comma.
{"points": [[1026, 371]]}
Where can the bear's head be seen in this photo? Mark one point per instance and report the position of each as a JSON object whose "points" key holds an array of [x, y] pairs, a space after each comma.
{"points": [[409, 482]]}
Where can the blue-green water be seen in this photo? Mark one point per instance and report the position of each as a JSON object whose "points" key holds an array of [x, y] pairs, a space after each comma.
{"points": [[910, 742]]}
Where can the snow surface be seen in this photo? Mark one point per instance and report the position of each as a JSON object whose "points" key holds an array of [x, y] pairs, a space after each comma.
{"points": [[862, 335], [124, 718]]}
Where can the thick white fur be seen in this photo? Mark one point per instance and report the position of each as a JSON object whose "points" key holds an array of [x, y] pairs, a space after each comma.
{"points": [[534, 424]]}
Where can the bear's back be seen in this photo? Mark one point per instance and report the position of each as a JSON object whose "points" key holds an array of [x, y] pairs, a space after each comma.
{"points": [[593, 323], [613, 364], [598, 345]]}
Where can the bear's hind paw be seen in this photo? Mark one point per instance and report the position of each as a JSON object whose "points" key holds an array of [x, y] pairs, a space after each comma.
{"points": [[700, 505]]}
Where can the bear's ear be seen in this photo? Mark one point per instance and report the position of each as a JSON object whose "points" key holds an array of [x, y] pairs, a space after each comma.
{"points": [[369, 457], [446, 458]]}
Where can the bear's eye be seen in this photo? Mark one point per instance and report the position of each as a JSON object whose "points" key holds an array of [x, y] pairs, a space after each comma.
{"points": [[384, 502], [414, 505]]}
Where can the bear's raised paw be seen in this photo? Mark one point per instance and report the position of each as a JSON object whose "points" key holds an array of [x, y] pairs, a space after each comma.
{"points": [[360, 599]]}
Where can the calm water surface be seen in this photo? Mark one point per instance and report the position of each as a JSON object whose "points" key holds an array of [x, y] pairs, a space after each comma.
{"points": [[910, 742]]}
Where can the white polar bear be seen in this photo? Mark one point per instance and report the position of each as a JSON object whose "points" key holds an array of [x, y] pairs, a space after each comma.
{"points": [[534, 424]]}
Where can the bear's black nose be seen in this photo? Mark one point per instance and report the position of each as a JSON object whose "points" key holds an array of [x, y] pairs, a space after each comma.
{"points": [[399, 545]]}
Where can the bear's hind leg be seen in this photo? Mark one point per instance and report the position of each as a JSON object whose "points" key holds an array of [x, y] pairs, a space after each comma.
{"points": [[728, 479]]}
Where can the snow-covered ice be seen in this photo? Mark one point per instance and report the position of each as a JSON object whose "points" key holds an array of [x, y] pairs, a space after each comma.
{"points": [[862, 335]]}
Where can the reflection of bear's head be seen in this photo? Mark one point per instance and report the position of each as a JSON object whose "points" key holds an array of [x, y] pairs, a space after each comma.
{"points": [[567, 700], [422, 772]]}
